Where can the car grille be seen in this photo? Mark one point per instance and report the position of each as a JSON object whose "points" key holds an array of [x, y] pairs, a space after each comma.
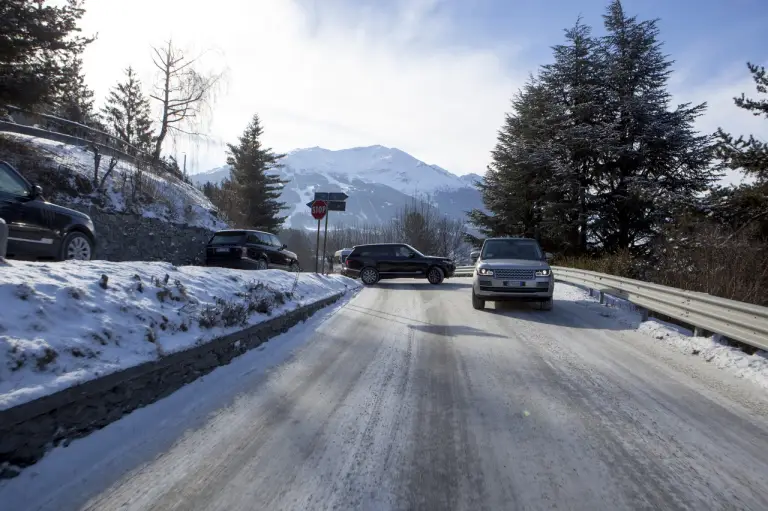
{"points": [[514, 274]]}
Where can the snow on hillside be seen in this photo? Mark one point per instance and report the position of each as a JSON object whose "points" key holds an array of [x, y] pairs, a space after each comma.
{"points": [[376, 164], [172, 200], [378, 180], [65, 323]]}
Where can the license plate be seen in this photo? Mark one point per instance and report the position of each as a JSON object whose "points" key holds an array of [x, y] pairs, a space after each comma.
{"points": [[221, 250], [513, 283]]}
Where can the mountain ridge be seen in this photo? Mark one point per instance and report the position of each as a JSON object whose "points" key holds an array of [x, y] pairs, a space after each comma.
{"points": [[379, 181]]}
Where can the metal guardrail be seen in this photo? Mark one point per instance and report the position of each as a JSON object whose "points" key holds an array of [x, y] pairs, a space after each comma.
{"points": [[464, 271], [735, 320]]}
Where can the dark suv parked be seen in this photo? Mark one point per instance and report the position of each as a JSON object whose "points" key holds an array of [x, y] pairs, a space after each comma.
{"points": [[396, 260], [249, 250], [38, 229]]}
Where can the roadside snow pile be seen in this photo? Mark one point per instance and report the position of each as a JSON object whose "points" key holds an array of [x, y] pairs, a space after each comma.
{"points": [[751, 367], [65, 323], [127, 189]]}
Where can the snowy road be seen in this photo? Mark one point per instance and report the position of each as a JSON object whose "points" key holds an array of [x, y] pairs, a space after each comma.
{"points": [[407, 398]]}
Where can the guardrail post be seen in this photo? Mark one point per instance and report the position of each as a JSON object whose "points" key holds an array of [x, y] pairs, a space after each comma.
{"points": [[3, 238], [602, 297]]}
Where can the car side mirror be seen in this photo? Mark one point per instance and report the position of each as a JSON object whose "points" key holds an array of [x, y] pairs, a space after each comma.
{"points": [[474, 256], [284, 246], [36, 191], [411, 255], [548, 256]]}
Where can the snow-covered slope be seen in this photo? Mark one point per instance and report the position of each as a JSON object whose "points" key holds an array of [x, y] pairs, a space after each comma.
{"points": [[379, 181], [65, 323], [153, 196]]}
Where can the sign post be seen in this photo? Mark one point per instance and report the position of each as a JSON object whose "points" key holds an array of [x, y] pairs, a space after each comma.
{"points": [[327, 201], [325, 240], [319, 210]]}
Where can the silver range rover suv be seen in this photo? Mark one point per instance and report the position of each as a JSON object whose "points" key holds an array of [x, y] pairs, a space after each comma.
{"points": [[512, 269]]}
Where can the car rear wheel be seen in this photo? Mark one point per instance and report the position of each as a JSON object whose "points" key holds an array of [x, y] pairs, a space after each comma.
{"points": [[435, 275], [369, 276], [261, 264], [76, 247], [477, 303]]}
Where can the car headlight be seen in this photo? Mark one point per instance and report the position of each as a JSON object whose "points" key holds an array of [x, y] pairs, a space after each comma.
{"points": [[485, 271], [543, 273]]}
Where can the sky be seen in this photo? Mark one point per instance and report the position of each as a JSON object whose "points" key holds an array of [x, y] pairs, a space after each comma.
{"points": [[433, 78]]}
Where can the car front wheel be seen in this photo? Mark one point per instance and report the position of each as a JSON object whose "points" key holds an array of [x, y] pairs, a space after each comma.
{"points": [[477, 303], [76, 247], [261, 264], [547, 305], [295, 267]]}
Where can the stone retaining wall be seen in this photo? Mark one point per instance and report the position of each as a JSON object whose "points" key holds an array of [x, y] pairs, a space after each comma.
{"points": [[130, 237], [29, 430]]}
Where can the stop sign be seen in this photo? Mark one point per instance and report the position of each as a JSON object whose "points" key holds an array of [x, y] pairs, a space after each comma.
{"points": [[319, 209]]}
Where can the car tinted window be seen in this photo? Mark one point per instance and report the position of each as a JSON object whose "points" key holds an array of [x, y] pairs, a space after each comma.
{"points": [[228, 238], [253, 239], [372, 251], [275, 241], [11, 183], [511, 249], [403, 251]]}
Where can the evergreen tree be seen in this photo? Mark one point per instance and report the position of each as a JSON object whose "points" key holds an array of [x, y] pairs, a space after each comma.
{"points": [[37, 42], [575, 81], [747, 205], [74, 99], [652, 160], [516, 181], [257, 189], [127, 113], [749, 155]]}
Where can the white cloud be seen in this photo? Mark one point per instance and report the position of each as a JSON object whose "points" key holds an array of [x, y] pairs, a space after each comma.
{"points": [[336, 78], [328, 80]]}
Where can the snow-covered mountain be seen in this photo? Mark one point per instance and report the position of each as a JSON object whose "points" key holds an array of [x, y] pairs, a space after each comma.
{"points": [[378, 180]]}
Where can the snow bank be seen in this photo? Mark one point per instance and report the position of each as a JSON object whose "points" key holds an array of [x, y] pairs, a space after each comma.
{"points": [[750, 367], [66, 323], [176, 201]]}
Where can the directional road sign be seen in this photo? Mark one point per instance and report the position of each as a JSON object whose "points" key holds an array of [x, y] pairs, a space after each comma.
{"points": [[329, 196], [337, 205]]}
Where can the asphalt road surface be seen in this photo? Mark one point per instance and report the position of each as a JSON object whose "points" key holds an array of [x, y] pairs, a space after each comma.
{"points": [[407, 398]]}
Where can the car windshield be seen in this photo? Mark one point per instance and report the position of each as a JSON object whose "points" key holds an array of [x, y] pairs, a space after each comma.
{"points": [[511, 249], [228, 238]]}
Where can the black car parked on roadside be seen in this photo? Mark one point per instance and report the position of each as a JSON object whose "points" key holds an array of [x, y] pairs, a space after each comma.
{"points": [[38, 229], [249, 250], [395, 261]]}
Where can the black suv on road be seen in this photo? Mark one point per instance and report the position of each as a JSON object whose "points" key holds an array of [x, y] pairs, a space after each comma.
{"points": [[394, 261], [38, 229], [249, 250]]}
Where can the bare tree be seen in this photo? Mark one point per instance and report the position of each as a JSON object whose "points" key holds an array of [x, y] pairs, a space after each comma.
{"points": [[183, 93], [99, 183]]}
